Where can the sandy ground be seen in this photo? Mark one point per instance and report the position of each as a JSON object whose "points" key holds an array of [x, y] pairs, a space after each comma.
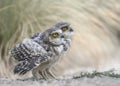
{"points": [[96, 81]]}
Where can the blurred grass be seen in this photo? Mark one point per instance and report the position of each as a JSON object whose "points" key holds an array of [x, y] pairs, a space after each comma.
{"points": [[15, 23]]}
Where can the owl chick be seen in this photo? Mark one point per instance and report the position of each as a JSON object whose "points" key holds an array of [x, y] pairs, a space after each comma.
{"points": [[42, 50], [67, 33]]}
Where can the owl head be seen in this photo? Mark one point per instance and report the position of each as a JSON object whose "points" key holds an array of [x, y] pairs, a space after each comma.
{"points": [[67, 31], [57, 33], [53, 36]]}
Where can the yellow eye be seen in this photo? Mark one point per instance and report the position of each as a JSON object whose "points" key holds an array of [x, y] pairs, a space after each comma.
{"points": [[64, 28], [55, 35]]}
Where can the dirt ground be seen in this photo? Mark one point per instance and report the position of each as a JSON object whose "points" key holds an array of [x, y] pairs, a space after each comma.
{"points": [[96, 81]]}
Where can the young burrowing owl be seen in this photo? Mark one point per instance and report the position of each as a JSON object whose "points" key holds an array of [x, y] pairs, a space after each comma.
{"points": [[42, 50]]}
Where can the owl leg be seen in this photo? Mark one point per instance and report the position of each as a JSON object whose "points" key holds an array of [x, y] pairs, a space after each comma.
{"points": [[46, 74], [35, 74], [43, 74], [39, 74], [50, 73]]}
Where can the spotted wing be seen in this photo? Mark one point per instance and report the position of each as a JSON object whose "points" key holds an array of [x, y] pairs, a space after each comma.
{"points": [[37, 56], [23, 67], [26, 50]]}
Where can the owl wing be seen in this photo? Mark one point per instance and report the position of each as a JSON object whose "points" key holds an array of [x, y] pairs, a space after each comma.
{"points": [[36, 57], [20, 52], [23, 67], [26, 50]]}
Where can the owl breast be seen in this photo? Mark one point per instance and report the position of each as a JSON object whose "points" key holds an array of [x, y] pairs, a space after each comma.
{"points": [[58, 50]]}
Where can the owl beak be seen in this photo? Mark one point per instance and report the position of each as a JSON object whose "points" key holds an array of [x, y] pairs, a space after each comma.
{"points": [[62, 36], [71, 30]]}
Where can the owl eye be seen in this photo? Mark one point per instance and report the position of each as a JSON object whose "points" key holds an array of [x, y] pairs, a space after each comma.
{"points": [[55, 35], [64, 28]]}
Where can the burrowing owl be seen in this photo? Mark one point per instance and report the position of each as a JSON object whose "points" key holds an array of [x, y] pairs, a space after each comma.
{"points": [[42, 50]]}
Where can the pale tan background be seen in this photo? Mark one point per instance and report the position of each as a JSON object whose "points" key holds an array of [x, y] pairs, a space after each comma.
{"points": [[96, 41]]}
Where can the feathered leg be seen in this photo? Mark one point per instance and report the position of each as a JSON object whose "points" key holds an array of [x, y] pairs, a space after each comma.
{"points": [[50, 73]]}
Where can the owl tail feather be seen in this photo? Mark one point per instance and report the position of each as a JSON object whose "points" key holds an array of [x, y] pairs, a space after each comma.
{"points": [[23, 67]]}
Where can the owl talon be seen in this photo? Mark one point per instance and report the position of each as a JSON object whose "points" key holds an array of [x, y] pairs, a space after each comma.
{"points": [[43, 74], [51, 74]]}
